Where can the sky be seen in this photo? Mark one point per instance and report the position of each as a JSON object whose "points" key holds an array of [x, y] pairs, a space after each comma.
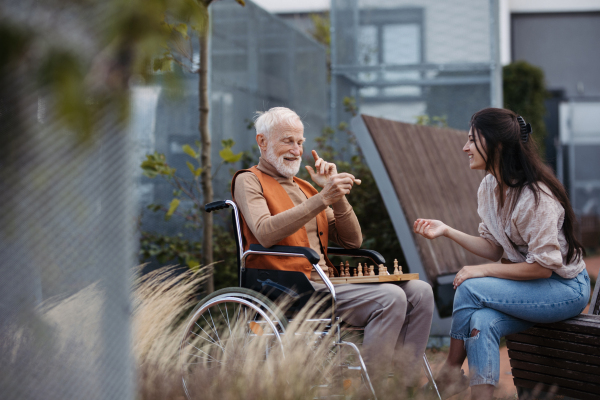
{"points": [[285, 6], [289, 6]]}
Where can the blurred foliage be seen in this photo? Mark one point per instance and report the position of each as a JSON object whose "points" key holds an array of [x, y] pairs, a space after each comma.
{"points": [[524, 93], [440, 121], [181, 248], [82, 55], [155, 165], [321, 32]]}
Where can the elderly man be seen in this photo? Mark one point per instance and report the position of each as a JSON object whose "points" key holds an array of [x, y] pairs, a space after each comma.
{"points": [[280, 209]]}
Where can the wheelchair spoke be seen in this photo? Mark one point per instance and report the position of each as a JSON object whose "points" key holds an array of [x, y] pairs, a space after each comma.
{"points": [[204, 358], [213, 327], [200, 351], [211, 340], [228, 323]]}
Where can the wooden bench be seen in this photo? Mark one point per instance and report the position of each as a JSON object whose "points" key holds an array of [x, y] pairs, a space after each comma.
{"points": [[562, 358]]}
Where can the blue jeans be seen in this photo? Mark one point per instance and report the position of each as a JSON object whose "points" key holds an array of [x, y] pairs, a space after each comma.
{"points": [[497, 307]]}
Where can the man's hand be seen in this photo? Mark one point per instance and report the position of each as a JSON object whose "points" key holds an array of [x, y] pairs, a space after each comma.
{"points": [[324, 170], [337, 187]]}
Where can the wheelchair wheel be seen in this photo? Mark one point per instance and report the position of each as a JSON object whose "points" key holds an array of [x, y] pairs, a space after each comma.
{"points": [[228, 332]]}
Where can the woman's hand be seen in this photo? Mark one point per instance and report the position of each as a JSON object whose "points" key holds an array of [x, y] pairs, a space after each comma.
{"points": [[468, 272], [430, 228]]}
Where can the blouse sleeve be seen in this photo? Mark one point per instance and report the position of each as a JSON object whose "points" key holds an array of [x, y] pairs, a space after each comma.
{"points": [[485, 233], [483, 209], [539, 226]]}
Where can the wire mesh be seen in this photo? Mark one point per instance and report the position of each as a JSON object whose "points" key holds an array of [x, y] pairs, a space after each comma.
{"points": [[67, 246]]}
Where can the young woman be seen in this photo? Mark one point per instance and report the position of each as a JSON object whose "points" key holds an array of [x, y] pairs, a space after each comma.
{"points": [[526, 215]]}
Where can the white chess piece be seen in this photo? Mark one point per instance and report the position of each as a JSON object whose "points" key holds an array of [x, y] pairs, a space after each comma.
{"points": [[400, 269], [396, 272], [372, 270], [360, 270]]}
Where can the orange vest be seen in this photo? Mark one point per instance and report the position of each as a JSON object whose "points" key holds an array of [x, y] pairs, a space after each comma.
{"points": [[279, 201]]}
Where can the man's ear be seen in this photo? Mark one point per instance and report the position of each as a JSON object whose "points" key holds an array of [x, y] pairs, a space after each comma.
{"points": [[261, 140]]}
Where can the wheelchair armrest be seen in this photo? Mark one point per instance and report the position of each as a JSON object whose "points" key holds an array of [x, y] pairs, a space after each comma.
{"points": [[307, 252], [372, 254]]}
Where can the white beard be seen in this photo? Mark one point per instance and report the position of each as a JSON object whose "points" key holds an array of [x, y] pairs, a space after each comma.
{"points": [[285, 168]]}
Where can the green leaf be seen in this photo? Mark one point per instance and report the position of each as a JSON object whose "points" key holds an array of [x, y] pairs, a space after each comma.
{"points": [[183, 29], [187, 149], [191, 167], [172, 207], [153, 207], [228, 156], [198, 171], [227, 143], [192, 263]]}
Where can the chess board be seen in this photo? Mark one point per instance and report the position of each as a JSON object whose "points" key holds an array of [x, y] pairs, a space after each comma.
{"points": [[373, 279]]}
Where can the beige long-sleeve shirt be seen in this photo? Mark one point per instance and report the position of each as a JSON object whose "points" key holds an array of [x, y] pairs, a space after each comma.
{"points": [[268, 229], [537, 232]]}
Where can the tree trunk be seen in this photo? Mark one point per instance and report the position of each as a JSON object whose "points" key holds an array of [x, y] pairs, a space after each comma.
{"points": [[205, 158]]}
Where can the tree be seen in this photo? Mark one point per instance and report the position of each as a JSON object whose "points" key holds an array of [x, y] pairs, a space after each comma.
{"points": [[181, 49], [524, 93]]}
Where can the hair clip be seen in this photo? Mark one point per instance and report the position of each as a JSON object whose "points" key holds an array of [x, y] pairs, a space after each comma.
{"points": [[526, 129]]}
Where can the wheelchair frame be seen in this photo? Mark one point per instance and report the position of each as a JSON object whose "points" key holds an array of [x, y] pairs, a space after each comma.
{"points": [[264, 308]]}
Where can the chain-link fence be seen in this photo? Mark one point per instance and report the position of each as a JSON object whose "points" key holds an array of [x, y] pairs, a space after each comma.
{"points": [[403, 58], [67, 247]]}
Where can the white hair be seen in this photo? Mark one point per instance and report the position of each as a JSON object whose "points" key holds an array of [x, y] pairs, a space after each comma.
{"points": [[267, 121]]}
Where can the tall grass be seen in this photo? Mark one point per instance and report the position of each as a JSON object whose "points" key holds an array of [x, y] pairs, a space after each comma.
{"points": [[163, 302]]}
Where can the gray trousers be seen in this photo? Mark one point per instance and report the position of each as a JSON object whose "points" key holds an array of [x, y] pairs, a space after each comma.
{"points": [[397, 322]]}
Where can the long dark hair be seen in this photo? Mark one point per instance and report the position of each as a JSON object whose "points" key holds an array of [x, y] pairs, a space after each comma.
{"points": [[509, 147]]}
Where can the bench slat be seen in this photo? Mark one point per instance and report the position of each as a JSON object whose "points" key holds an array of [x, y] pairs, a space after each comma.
{"points": [[554, 371], [563, 335], [525, 383], [556, 344], [567, 355], [555, 380], [583, 323], [554, 362]]}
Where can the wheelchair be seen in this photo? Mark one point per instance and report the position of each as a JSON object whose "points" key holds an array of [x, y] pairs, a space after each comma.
{"points": [[227, 323]]}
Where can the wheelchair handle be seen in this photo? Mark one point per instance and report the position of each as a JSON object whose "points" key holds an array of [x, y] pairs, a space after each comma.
{"points": [[216, 205]]}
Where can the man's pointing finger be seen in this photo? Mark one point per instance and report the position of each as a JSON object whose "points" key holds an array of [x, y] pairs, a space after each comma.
{"points": [[315, 155]]}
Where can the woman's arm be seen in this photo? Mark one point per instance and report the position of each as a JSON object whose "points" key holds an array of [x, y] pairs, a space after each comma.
{"points": [[431, 229], [518, 272]]}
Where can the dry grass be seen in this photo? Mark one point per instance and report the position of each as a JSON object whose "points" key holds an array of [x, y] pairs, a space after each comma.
{"points": [[163, 303], [161, 299]]}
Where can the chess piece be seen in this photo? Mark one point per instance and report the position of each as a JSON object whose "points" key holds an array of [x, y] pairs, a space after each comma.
{"points": [[397, 268], [342, 274], [347, 269], [372, 270], [381, 271], [360, 270]]}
